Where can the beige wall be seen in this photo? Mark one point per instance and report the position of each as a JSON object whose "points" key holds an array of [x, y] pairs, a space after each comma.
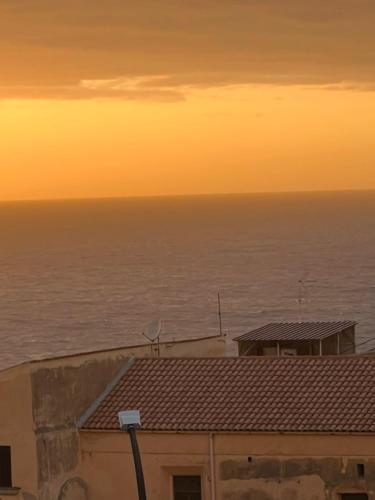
{"points": [[16, 428], [281, 467]]}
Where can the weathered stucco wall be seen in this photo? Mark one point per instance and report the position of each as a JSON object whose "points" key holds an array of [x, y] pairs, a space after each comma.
{"points": [[63, 389], [247, 467], [61, 394]]}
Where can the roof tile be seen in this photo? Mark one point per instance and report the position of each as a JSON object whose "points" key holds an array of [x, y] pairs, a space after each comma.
{"points": [[245, 394]]}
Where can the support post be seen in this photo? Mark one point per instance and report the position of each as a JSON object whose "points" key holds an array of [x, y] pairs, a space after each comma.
{"points": [[137, 462], [320, 348]]}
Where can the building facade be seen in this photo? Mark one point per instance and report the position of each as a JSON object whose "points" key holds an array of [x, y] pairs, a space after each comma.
{"points": [[213, 428], [230, 466], [40, 404], [300, 428]]}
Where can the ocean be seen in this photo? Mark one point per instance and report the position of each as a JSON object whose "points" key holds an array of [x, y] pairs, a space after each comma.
{"points": [[84, 275]]}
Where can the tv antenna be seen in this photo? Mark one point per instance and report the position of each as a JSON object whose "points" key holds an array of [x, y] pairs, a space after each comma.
{"points": [[302, 282], [219, 313], [152, 334]]}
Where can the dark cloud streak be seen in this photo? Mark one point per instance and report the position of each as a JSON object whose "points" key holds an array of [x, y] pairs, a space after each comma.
{"points": [[50, 47]]}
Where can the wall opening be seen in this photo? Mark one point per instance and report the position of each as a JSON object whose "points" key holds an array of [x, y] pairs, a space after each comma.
{"points": [[187, 488], [5, 467], [361, 470], [354, 496]]}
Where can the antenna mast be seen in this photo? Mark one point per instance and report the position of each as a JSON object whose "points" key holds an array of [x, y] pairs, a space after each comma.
{"points": [[219, 312], [300, 299], [302, 294]]}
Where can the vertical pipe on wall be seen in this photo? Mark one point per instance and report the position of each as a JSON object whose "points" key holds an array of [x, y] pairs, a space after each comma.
{"points": [[212, 466]]}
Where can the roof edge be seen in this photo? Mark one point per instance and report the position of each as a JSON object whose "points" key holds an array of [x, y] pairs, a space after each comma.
{"points": [[289, 323], [261, 433], [98, 401], [107, 350]]}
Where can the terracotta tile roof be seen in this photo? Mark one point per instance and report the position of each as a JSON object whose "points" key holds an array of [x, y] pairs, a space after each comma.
{"points": [[259, 394], [297, 331]]}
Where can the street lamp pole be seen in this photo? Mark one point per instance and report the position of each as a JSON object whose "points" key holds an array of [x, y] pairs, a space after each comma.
{"points": [[130, 421]]}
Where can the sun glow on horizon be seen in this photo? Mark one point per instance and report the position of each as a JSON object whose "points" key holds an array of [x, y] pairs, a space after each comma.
{"points": [[244, 138]]}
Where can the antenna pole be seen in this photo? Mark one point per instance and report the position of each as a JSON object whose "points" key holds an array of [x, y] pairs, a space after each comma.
{"points": [[219, 312], [300, 300]]}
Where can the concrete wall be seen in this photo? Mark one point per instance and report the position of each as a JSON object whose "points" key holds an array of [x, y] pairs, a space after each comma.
{"points": [[246, 467]]}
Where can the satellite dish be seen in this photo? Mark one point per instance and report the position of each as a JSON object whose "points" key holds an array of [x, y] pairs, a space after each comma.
{"points": [[153, 330]]}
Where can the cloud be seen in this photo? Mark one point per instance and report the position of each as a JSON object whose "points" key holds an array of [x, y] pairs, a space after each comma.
{"points": [[140, 88], [351, 86], [50, 48]]}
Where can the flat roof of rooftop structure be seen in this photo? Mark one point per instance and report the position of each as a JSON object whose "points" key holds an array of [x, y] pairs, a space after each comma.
{"points": [[334, 394], [296, 331]]}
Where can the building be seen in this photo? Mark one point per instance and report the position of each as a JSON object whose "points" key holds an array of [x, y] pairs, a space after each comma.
{"points": [[217, 428], [40, 402], [300, 428], [305, 338]]}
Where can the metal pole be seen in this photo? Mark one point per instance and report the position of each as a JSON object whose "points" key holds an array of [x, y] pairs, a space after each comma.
{"points": [[137, 462], [219, 311], [300, 300]]}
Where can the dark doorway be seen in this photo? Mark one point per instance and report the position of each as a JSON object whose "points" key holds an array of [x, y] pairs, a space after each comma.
{"points": [[5, 467], [187, 488]]}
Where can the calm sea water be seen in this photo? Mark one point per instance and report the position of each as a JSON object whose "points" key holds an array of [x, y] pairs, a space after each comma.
{"points": [[83, 275]]}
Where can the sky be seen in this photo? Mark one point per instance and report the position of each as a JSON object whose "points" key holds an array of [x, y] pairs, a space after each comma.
{"points": [[124, 98]]}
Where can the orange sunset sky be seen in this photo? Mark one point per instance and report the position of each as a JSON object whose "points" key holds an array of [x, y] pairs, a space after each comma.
{"points": [[124, 98]]}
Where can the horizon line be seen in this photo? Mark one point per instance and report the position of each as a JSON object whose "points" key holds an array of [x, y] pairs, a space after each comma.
{"points": [[185, 195]]}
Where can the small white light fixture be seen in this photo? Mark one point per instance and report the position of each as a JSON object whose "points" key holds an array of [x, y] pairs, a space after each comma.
{"points": [[129, 418]]}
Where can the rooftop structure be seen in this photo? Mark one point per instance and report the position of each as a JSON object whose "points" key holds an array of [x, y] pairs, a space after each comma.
{"points": [[300, 394], [304, 338]]}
